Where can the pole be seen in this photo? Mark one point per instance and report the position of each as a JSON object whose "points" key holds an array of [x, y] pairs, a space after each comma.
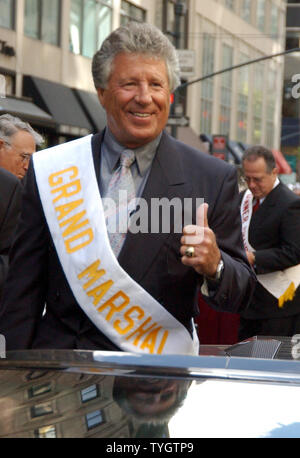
{"points": [[179, 11], [259, 59]]}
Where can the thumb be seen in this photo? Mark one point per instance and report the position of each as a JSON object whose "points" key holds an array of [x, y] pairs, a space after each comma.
{"points": [[201, 215]]}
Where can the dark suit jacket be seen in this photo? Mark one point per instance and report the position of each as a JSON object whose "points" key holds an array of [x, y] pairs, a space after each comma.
{"points": [[151, 259], [274, 233], [10, 204]]}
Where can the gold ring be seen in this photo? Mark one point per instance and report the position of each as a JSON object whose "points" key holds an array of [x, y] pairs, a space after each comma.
{"points": [[190, 252]]}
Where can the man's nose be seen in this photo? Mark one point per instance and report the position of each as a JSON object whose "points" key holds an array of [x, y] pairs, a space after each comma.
{"points": [[26, 165], [143, 94], [250, 182]]}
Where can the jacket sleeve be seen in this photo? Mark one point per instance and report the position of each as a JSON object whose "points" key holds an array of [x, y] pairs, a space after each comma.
{"points": [[10, 218], [287, 252], [235, 289], [23, 297]]}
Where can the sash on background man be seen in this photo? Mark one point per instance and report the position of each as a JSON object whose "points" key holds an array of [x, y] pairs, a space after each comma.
{"points": [[282, 284]]}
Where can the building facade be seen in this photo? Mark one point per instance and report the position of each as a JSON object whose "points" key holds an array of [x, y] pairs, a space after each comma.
{"points": [[46, 50], [245, 103], [290, 135]]}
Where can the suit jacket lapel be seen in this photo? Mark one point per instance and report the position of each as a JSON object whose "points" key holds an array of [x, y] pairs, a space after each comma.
{"points": [[96, 150], [166, 180]]}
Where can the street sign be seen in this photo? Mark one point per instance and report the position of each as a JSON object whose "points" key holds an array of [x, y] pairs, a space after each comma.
{"points": [[181, 121], [186, 62]]}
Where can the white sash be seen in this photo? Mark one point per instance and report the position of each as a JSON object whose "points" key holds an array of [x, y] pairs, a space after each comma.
{"points": [[114, 302], [282, 284]]}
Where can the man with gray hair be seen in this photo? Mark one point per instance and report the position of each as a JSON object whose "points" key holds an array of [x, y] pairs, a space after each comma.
{"points": [[121, 289], [18, 142]]}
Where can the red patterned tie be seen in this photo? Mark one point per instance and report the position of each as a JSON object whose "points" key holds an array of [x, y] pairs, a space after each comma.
{"points": [[255, 206]]}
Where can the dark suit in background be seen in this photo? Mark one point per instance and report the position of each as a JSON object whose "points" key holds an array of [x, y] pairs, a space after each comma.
{"points": [[151, 259], [10, 204], [274, 233]]}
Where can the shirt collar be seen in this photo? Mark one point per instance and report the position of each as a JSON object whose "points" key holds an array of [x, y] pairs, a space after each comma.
{"points": [[276, 183], [144, 154]]}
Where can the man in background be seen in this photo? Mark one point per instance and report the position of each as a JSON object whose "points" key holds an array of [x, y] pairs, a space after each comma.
{"points": [[271, 226], [10, 203], [18, 141]]}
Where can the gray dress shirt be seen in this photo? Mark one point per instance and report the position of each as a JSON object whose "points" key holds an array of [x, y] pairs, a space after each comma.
{"points": [[110, 159]]}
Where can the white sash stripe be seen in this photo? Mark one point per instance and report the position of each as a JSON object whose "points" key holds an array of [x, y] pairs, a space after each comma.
{"points": [[68, 189]]}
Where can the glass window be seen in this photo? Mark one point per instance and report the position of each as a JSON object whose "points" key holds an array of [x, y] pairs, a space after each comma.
{"points": [[46, 432], [50, 23], [91, 392], [274, 25], [39, 389], [90, 24], [258, 102], [271, 105], [246, 10], [94, 419], [75, 26], [131, 12], [230, 4], [42, 20], [32, 18], [226, 91], [207, 86], [292, 39], [7, 8], [242, 103], [260, 15], [39, 410], [104, 27], [293, 15], [89, 28]]}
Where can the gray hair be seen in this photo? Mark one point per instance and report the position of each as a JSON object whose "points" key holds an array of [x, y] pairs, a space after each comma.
{"points": [[137, 38], [10, 125], [255, 152]]}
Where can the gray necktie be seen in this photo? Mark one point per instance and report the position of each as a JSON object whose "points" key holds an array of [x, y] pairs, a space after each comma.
{"points": [[121, 190]]}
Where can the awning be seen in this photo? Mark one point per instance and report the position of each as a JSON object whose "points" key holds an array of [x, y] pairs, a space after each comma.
{"points": [[93, 109], [26, 110], [281, 163], [61, 103]]}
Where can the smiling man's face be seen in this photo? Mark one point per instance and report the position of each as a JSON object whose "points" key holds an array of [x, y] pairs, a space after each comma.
{"points": [[137, 99]]}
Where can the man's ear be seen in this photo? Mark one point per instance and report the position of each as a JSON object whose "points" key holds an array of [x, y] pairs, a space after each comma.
{"points": [[2, 144], [100, 93]]}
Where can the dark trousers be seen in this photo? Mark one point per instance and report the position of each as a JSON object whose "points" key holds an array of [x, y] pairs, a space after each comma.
{"points": [[286, 326]]}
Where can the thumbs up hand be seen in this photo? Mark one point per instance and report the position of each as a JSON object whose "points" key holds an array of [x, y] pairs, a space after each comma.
{"points": [[206, 254]]}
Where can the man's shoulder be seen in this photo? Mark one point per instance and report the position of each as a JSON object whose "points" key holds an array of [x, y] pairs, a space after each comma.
{"points": [[8, 180], [285, 194]]}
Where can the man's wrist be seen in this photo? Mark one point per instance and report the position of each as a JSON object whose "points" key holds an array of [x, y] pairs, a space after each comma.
{"points": [[218, 275]]}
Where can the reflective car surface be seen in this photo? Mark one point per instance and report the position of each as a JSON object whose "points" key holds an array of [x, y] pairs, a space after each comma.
{"points": [[248, 390]]}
